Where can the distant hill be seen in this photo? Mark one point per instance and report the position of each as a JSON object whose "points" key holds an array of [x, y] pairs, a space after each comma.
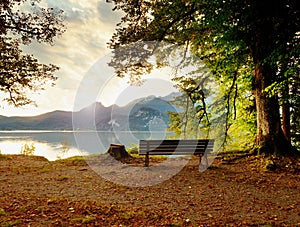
{"points": [[138, 115]]}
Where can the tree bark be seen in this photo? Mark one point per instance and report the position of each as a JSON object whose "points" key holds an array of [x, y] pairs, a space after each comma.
{"points": [[270, 137], [268, 123], [119, 152], [286, 121]]}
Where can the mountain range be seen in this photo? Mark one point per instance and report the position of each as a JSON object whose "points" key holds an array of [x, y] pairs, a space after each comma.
{"points": [[139, 115]]}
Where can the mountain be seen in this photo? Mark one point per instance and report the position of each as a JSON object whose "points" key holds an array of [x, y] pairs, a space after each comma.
{"points": [[138, 115], [55, 120]]}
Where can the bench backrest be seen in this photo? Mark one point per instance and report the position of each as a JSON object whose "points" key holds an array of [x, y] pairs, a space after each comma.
{"points": [[175, 147]]}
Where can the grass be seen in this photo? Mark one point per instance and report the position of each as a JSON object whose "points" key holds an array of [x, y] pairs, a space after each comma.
{"points": [[84, 220], [75, 160], [10, 223], [2, 212], [63, 178], [5, 157], [45, 170]]}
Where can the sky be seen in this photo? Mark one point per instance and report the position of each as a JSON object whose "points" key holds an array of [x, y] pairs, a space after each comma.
{"points": [[82, 53]]}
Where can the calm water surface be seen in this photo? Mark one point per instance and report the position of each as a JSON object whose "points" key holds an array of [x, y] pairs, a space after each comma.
{"points": [[62, 144]]}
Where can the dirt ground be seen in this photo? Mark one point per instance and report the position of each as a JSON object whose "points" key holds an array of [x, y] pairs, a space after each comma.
{"points": [[247, 191]]}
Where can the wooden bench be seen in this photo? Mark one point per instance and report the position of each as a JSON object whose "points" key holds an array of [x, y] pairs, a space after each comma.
{"points": [[175, 147]]}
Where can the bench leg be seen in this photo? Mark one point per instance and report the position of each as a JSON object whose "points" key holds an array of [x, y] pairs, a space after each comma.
{"points": [[147, 160], [206, 159]]}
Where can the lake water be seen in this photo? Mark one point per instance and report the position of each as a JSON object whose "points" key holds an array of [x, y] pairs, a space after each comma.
{"points": [[63, 144]]}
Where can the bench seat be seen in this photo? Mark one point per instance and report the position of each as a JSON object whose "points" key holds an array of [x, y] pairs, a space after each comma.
{"points": [[174, 147]]}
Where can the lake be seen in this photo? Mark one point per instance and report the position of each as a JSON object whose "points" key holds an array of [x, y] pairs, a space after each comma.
{"points": [[63, 144]]}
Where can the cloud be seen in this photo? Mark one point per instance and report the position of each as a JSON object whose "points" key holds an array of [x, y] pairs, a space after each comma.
{"points": [[106, 14], [73, 10], [83, 43], [90, 25]]}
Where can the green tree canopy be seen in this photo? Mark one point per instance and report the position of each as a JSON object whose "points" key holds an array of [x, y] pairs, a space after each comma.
{"points": [[21, 22], [252, 44]]}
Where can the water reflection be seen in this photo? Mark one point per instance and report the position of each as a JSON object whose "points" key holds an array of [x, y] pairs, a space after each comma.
{"points": [[63, 144], [41, 149]]}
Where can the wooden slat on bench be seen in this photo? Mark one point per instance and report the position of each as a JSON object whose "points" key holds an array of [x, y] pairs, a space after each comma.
{"points": [[169, 147], [174, 147]]}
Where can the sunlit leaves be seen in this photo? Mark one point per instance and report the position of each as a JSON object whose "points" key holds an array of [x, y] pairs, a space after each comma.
{"points": [[21, 73], [30, 21], [234, 39]]}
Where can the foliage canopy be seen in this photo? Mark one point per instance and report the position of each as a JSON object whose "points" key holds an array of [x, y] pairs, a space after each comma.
{"points": [[21, 22], [250, 46]]}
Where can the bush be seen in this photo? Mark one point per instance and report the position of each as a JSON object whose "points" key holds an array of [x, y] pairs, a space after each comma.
{"points": [[133, 149], [28, 149]]}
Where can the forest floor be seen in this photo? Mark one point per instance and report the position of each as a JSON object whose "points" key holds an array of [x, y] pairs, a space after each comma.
{"points": [[234, 191]]}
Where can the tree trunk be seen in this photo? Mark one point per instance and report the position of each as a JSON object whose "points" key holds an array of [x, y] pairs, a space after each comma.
{"points": [[286, 121], [119, 152], [270, 137]]}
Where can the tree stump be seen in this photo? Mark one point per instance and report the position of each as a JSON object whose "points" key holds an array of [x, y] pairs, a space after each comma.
{"points": [[119, 152]]}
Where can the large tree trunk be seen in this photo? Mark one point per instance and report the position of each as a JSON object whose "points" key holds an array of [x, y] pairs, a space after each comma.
{"points": [[270, 137]]}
